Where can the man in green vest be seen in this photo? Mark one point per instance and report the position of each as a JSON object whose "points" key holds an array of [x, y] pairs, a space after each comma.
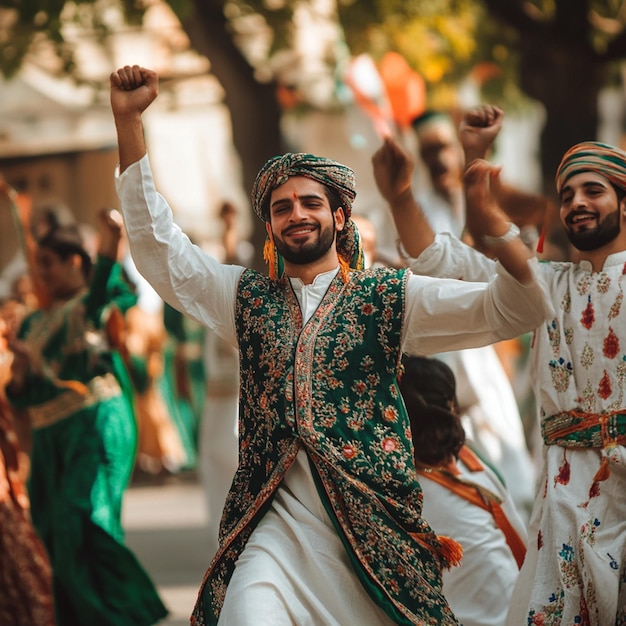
{"points": [[322, 524]]}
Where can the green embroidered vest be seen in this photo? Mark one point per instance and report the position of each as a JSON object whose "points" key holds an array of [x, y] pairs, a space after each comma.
{"points": [[331, 388]]}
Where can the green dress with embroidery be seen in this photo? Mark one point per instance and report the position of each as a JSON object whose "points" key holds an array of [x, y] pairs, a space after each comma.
{"points": [[79, 399]]}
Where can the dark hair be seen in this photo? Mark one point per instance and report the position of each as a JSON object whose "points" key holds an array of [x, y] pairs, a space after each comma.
{"points": [[334, 199], [47, 217], [66, 241], [428, 388]]}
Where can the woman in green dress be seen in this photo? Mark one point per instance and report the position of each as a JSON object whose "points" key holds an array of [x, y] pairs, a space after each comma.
{"points": [[72, 382]]}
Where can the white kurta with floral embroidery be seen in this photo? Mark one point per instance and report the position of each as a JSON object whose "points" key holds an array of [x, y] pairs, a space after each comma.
{"points": [[294, 568], [575, 568]]}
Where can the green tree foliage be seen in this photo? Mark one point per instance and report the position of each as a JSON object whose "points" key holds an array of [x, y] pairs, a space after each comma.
{"points": [[559, 52]]}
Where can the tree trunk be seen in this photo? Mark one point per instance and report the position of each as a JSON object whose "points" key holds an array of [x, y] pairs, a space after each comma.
{"points": [[254, 110], [571, 103]]}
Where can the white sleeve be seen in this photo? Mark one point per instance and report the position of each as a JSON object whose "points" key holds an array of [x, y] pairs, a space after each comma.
{"points": [[443, 314], [183, 274], [448, 257]]}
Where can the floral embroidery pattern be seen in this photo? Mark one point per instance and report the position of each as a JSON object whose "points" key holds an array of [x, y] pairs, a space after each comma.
{"points": [[584, 284], [588, 316], [582, 371], [605, 389], [588, 399], [562, 478], [610, 346], [561, 373], [586, 357], [617, 305], [588, 531], [568, 567], [551, 613], [554, 335], [604, 283]]}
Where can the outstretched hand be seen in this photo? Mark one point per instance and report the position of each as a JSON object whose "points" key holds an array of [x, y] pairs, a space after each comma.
{"points": [[133, 89], [393, 171], [478, 130]]}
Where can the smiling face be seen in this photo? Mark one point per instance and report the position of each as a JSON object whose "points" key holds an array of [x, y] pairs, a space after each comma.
{"points": [[301, 221], [590, 211]]}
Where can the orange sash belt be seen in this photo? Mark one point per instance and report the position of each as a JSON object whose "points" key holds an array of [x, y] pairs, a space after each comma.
{"points": [[481, 497]]}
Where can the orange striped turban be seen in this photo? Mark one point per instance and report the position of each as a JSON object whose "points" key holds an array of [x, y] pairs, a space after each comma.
{"points": [[593, 156]]}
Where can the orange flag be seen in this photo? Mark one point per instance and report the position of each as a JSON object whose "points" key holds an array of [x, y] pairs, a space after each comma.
{"points": [[406, 89]]}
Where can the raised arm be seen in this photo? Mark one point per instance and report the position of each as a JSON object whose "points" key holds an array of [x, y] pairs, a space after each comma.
{"points": [[133, 89], [393, 173], [181, 273], [478, 131], [489, 225]]}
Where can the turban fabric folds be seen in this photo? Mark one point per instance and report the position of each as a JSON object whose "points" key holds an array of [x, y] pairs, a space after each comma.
{"points": [[593, 156], [332, 174]]}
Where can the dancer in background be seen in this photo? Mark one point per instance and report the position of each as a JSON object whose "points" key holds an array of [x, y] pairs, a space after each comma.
{"points": [[26, 577], [77, 394], [488, 404]]}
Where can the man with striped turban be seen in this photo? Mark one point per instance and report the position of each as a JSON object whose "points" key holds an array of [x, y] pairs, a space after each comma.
{"points": [[323, 523], [575, 566]]}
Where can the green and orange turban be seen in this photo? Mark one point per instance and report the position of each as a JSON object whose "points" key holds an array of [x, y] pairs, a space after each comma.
{"points": [[593, 156], [330, 173]]}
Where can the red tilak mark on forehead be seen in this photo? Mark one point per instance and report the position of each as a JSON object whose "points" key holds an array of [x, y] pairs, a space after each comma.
{"points": [[295, 195]]}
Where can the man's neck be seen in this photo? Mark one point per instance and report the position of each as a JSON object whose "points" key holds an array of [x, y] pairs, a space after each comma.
{"points": [[598, 257], [308, 272]]}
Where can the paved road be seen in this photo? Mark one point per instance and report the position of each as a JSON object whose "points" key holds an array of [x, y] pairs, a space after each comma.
{"points": [[166, 527]]}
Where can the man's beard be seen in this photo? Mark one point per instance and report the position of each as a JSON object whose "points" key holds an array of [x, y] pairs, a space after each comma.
{"points": [[307, 252], [605, 232]]}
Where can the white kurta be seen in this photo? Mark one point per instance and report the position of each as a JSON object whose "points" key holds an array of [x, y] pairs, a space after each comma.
{"points": [[479, 591], [274, 583], [575, 567]]}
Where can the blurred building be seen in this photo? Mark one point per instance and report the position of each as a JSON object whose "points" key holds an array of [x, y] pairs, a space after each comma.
{"points": [[57, 136]]}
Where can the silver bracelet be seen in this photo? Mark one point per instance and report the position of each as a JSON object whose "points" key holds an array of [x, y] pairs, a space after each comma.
{"points": [[492, 242]]}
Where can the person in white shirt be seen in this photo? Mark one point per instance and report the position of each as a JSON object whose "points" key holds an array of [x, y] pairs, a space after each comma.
{"points": [[463, 498], [322, 524]]}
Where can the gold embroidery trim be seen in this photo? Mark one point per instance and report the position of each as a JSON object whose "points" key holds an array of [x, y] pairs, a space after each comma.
{"points": [[98, 389]]}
